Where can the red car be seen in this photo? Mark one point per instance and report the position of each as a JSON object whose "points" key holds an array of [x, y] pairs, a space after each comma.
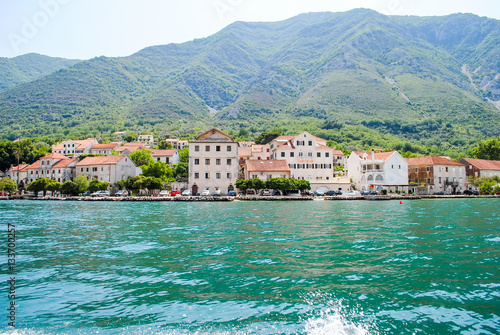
{"points": [[3, 194], [173, 193]]}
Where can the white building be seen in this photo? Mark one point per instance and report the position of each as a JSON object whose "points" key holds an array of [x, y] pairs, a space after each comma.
{"points": [[147, 140], [480, 167], [74, 147], [436, 175], [213, 162], [107, 168], [266, 169], [168, 156], [18, 173], [54, 166], [177, 144], [104, 148], [378, 170]]}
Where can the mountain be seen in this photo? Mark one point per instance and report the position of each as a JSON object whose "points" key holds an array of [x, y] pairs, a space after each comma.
{"points": [[359, 78], [23, 69]]}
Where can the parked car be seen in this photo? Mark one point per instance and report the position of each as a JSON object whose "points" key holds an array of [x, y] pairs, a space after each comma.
{"points": [[95, 194], [205, 193], [340, 192], [319, 193], [471, 192], [353, 193], [265, 193], [251, 191], [104, 194], [364, 192], [4, 194], [330, 193], [307, 193], [232, 193], [121, 193], [373, 193], [277, 193], [216, 192], [86, 194], [164, 193], [173, 193], [186, 193]]}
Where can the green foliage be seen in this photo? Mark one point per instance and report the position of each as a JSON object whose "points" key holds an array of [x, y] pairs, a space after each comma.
{"points": [[184, 155], [288, 184], [268, 136], [27, 150], [69, 188], [158, 170], [488, 149], [141, 157], [181, 171], [254, 183], [486, 185], [164, 145], [82, 184], [96, 185], [130, 136], [7, 184], [152, 183], [39, 185]]}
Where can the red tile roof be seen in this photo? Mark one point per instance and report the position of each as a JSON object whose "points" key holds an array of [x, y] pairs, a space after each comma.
{"points": [[483, 164], [245, 151], [21, 167], [35, 165], [163, 153], [111, 145], [100, 160], [431, 160], [338, 153], [383, 156], [81, 143], [55, 155], [267, 166], [64, 163]]}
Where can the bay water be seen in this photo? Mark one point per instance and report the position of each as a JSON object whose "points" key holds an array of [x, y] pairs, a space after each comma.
{"points": [[314, 267]]}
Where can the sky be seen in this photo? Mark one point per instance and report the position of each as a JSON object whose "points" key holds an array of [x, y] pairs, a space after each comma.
{"points": [[83, 29]]}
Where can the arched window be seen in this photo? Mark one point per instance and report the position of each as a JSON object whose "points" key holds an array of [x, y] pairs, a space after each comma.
{"points": [[370, 178], [379, 177]]}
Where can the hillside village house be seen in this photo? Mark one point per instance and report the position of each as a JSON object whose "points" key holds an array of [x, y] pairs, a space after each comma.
{"points": [[18, 173], [213, 162], [177, 144], [436, 175], [74, 147], [339, 158], [104, 148], [253, 152], [169, 156], [128, 148], [480, 167], [148, 140], [107, 168], [266, 169], [378, 170], [54, 166]]}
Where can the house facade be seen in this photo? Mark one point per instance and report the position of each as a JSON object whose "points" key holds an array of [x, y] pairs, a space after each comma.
{"points": [[127, 148], [177, 144], [74, 148], [18, 173], [436, 175], [480, 167], [266, 169], [107, 168], [104, 148], [307, 156], [169, 156], [55, 166], [378, 170], [147, 139], [213, 162]]}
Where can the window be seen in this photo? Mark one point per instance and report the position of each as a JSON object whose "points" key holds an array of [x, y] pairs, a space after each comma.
{"points": [[228, 148], [217, 148], [229, 161], [217, 175], [196, 175], [81, 170], [87, 170], [102, 168], [196, 148], [207, 148], [228, 175], [207, 175], [310, 143], [446, 169], [254, 176], [282, 154], [217, 161], [318, 154], [292, 154], [196, 161], [428, 180], [416, 169], [428, 168], [207, 161], [327, 154], [310, 154], [301, 154]]}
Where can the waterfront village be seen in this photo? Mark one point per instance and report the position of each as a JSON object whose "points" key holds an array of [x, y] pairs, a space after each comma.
{"points": [[217, 162]]}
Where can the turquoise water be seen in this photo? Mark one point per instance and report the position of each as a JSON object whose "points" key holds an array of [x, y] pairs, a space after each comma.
{"points": [[318, 267]]}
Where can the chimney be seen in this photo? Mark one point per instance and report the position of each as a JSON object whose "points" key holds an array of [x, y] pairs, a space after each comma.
{"points": [[373, 154]]}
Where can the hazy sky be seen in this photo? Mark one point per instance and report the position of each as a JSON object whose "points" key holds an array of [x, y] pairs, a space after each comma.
{"points": [[88, 28]]}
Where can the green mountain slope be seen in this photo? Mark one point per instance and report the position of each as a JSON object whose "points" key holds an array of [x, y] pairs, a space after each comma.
{"points": [[359, 78], [23, 69]]}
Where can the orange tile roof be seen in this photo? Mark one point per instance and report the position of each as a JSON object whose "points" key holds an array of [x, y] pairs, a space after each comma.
{"points": [[81, 143], [483, 164], [267, 166], [35, 165], [111, 145], [245, 151], [383, 156], [431, 160], [55, 155], [20, 167], [64, 163], [163, 153], [100, 160], [338, 153]]}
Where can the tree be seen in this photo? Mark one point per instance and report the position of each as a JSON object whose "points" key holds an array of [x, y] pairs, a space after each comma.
{"points": [[158, 170], [241, 184], [268, 136], [96, 185], [82, 184], [163, 145], [152, 183], [303, 185], [181, 170], [7, 184], [488, 149], [39, 185], [53, 185], [69, 188], [130, 136], [142, 157]]}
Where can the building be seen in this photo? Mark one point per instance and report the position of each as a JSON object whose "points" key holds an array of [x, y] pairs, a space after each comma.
{"points": [[378, 170], [177, 144], [107, 168], [253, 152], [266, 169], [480, 167], [307, 156], [213, 162], [436, 175], [339, 159], [169, 156], [18, 173], [74, 147], [104, 148], [55, 166], [148, 140], [128, 148]]}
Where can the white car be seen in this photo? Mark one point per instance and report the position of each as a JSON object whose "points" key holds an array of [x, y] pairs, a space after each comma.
{"points": [[216, 192], [353, 193], [121, 193], [164, 193], [205, 193], [186, 193]]}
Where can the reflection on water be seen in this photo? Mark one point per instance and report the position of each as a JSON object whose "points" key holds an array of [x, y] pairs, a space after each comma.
{"points": [[257, 267]]}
